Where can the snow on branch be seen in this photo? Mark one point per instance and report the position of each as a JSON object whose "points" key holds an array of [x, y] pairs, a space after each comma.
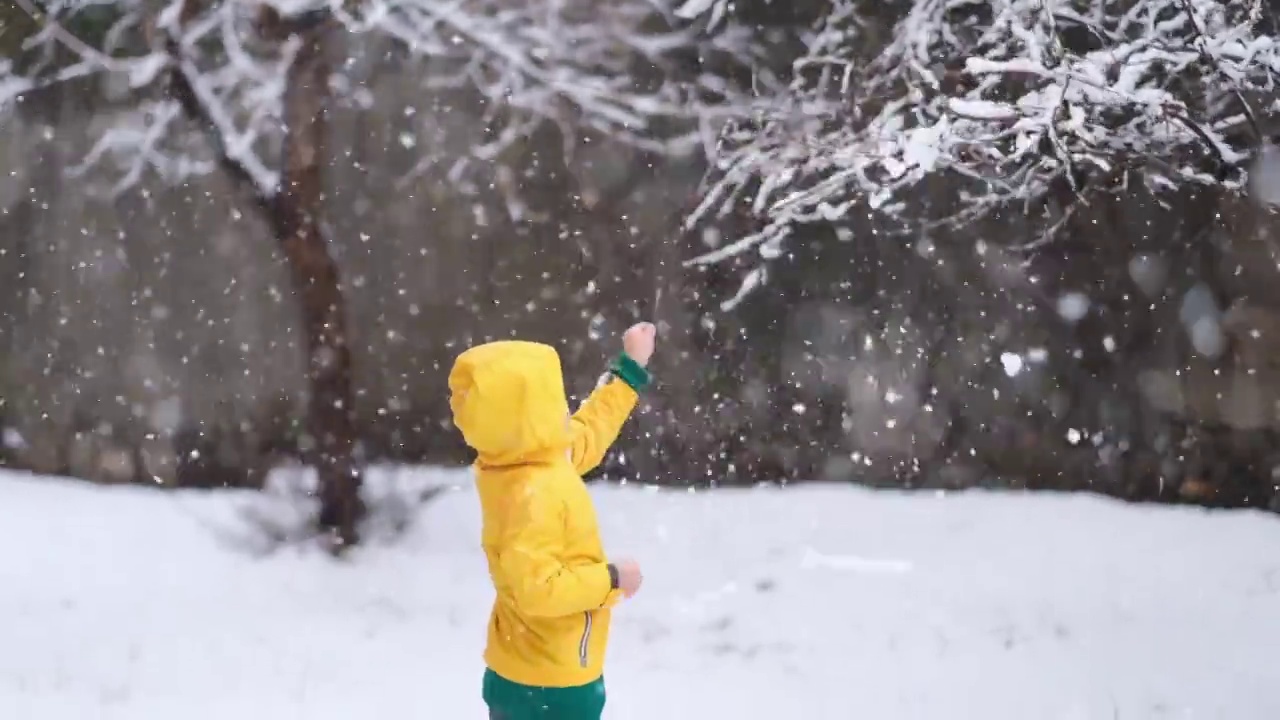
{"points": [[631, 70], [12, 85], [1020, 101], [184, 61]]}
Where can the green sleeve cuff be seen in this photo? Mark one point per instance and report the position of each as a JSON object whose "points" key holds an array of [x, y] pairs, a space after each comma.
{"points": [[630, 372]]}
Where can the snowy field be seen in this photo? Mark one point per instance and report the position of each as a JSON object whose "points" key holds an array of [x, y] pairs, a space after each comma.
{"points": [[811, 602]]}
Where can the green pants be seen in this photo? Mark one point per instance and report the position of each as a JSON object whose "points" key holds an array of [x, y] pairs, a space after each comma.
{"points": [[512, 701]]}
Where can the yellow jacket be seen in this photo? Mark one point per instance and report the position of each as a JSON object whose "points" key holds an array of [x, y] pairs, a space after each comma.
{"points": [[550, 620]]}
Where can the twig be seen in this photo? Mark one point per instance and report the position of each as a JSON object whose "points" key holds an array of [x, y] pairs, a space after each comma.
{"points": [[69, 39], [183, 90]]}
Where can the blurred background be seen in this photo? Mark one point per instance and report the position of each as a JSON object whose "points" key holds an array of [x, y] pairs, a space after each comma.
{"points": [[154, 329]]}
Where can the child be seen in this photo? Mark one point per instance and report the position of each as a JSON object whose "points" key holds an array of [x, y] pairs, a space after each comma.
{"points": [[550, 621]]}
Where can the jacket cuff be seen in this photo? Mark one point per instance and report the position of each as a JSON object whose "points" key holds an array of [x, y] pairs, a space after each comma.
{"points": [[599, 581], [630, 372]]}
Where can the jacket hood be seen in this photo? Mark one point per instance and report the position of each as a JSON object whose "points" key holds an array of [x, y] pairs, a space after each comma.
{"points": [[508, 400]]}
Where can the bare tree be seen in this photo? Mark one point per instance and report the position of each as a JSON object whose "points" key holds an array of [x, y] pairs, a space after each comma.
{"points": [[1030, 107], [243, 87]]}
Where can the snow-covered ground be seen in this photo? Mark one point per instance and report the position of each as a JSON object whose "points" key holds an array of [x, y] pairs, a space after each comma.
{"points": [[808, 602]]}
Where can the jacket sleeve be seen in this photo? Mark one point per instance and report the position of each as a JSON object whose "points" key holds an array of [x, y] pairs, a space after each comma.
{"points": [[541, 584], [597, 423]]}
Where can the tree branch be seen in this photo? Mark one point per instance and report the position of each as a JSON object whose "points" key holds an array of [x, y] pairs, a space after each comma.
{"points": [[70, 41], [261, 185], [237, 160], [1154, 93]]}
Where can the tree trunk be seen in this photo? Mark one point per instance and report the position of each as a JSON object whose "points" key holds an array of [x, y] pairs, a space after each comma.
{"points": [[293, 212], [295, 216]]}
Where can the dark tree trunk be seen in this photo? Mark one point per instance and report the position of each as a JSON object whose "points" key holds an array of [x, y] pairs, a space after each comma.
{"points": [[296, 221], [293, 211]]}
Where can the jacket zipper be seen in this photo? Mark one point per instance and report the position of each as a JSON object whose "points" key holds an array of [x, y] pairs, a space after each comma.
{"points": [[586, 639]]}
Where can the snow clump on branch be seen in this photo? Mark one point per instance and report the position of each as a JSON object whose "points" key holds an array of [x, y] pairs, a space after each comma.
{"points": [[1024, 103]]}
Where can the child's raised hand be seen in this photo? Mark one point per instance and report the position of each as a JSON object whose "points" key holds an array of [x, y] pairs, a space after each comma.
{"points": [[638, 341]]}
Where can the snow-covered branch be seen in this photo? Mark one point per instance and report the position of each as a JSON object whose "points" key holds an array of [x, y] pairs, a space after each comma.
{"points": [[630, 70], [633, 71], [186, 62], [12, 85], [1021, 102]]}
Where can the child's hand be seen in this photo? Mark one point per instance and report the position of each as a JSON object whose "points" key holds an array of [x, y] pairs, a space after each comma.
{"points": [[629, 577], [637, 342]]}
